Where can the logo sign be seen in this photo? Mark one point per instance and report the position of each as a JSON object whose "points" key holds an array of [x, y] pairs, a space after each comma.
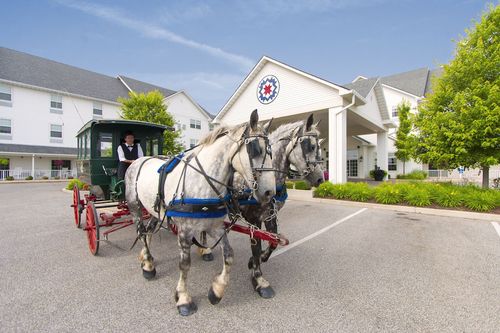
{"points": [[268, 89]]}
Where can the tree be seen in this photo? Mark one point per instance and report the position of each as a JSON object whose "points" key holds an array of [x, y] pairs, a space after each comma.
{"points": [[404, 142], [459, 123], [150, 107]]}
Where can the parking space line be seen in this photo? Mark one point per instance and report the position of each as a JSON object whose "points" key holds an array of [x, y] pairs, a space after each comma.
{"points": [[315, 234], [497, 227]]}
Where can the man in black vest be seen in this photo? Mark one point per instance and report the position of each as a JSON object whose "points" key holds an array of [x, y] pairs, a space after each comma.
{"points": [[128, 152]]}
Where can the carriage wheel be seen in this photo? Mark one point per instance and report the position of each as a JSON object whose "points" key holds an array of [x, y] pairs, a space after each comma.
{"points": [[77, 206], [92, 228]]}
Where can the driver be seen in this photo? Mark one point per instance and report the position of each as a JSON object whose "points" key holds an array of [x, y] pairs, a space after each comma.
{"points": [[128, 152]]}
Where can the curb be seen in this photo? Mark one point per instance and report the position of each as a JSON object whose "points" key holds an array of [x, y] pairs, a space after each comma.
{"points": [[301, 195]]}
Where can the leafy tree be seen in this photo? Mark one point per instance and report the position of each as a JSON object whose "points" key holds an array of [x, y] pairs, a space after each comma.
{"points": [[459, 123], [150, 107], [404, 142]]}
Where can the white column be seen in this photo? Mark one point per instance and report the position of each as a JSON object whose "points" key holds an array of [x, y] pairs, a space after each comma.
{"points": [[382, 157], [364, 164], [33, 166], [337, 145]]}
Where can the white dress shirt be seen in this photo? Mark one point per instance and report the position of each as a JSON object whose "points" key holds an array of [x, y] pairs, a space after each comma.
{"points": [[121, 154]]}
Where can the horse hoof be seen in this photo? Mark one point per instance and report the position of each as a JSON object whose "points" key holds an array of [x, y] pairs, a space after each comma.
{"points": [[267, 292], [187, 309], [148, 275], [212, 297], [207, 257]]}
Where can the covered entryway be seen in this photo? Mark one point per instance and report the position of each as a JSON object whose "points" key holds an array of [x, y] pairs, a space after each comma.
{"points": [[286, 94]]}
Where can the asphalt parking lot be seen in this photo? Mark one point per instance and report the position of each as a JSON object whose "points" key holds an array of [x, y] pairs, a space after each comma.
{"points": [[376, 271]]}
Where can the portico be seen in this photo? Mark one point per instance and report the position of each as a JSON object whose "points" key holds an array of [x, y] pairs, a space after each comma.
{"points": [[287, 94]]}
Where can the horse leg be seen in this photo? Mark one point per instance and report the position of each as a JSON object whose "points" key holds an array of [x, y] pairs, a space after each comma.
{"points": [[205, 253], [271, 226], [260, 285], [216, 291], [147, 265], [185, 304]]}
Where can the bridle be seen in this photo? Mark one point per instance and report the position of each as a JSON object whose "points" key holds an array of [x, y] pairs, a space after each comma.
{"points": [[306, 146], [253, 149]]}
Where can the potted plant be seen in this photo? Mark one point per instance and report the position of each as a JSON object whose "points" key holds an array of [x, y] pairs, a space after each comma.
{"points": [[378, 174]]}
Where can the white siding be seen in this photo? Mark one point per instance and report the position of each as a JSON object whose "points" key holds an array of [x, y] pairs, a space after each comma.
{"points": [[298, 94]]}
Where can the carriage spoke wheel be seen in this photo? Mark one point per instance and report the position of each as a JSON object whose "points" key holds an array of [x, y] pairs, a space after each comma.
{"points": [[77, 206], [92, 228]]}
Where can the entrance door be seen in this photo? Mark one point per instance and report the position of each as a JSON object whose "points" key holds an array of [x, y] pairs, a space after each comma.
{"points": [[4, 166], [352, 163]]}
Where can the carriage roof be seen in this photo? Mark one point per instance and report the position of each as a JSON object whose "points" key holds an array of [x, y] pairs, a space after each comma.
{"points": [[122, 123]]}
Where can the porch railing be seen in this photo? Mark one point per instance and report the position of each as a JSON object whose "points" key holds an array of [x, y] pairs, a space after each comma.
{"points": [[21, 174], [474, 176]]}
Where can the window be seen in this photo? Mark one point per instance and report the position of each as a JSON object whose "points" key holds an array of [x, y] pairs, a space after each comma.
{"points": [[352, 168], [152, 146], [5, 95], [5, 126], [56, 133], [55, 103], [211, 127], [192, 143], [97, 110], [394, 112], [105, 145], [60, 164], [195, 123], [392, 163]]}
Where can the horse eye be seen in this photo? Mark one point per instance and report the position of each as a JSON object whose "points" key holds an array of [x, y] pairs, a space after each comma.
{"points": [[313, 147]]}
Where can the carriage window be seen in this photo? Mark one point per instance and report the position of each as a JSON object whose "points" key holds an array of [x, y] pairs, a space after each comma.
{"points": [[152, 147], [87, 144], [105, 145]]}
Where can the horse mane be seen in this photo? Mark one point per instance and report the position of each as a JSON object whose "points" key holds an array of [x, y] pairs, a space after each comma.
{"points": [[283, 131], [219, 132]]}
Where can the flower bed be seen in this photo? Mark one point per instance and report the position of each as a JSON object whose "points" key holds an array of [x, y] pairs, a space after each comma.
{"points": [[419, 194]]}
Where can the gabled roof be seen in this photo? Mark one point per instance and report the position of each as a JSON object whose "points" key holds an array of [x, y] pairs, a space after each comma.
{"points": [[198, 106], [32, 149], [362, 85], [26, 69], [144, 87], [413, 82], [433, 73], [256, 69]]}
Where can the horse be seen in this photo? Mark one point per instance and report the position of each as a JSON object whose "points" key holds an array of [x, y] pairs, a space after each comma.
{"points": [[196, 197], [296, 144]]}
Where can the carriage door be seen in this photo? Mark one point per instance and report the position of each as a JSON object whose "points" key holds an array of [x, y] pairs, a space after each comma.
{"points": [[352, 163]]}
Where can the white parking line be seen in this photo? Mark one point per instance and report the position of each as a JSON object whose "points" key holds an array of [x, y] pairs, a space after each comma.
{"points": [[315, 234], [497, 227]]}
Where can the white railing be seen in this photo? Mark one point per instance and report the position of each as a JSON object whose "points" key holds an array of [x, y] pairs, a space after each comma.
{"points": [[21, 174], [474, 176]]}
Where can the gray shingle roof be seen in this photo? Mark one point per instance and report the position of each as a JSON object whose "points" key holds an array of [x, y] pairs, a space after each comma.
{"points": [[362, 86], [432, 74], [413, 81], [30, 149], [25, 68], [144, 87]]}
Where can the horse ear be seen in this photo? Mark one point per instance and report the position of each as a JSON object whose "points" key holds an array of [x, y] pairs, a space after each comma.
{"points": [[309, 122], [254, 120], [267, 126], [320, 142], [297, 131]]}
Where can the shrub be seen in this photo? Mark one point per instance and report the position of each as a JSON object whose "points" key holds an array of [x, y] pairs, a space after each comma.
{"points": [[360, 192], [448, 196], [70, 177], [302, 185], [389, 194], [481, 201], [324, 190], [289, 184], [377, 174], [9, 178], [415, 175], [417, 196], [74, 182], [45, 177], [340, 191], [29, 178], [57, 177]]}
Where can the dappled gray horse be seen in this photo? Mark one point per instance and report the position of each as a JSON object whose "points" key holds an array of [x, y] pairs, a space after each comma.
{"points": [[296, 144], [196, 196]]}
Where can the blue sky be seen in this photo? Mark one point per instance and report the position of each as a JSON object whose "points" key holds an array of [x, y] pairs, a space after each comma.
{"points": [[208, 47]]}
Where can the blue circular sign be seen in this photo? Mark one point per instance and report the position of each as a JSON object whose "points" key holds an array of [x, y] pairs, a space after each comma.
{"points": [[268, 89]]}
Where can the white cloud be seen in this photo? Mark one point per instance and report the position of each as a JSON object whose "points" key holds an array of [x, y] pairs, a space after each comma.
{"points": [[156, 32], [186, 12]]}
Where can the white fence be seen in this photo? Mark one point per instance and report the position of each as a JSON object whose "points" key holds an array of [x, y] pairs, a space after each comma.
{"points": [[474, 176], [20, 174]]}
